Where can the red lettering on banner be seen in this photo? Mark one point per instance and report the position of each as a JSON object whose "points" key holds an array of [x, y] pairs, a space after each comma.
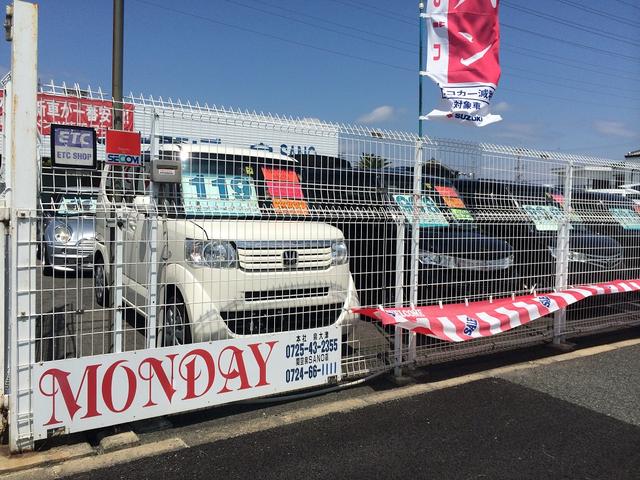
{"points": [[107, 387], [155, 369], [239, 372], [438, 24], [436, 3], [191, 375], [437, 48], [261, 361], [70, 400]]}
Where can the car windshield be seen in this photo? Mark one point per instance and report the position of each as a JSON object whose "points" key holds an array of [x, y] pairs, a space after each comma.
{"points": [[75, 205], [221, 185]]}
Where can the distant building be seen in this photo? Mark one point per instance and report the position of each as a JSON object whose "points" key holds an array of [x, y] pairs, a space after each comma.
{"points": [[633, 155]]}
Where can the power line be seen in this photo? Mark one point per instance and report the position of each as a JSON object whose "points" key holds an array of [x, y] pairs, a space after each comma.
{"points": [[629, 4], [342, 54], [545, 81], [415, 51], [508, 26], [601, 13], [275, 37], [576, 80], [586, 90], [570, 24], [598, 68], [288, 17], [375, 11], [569, 42], [342, 25]]}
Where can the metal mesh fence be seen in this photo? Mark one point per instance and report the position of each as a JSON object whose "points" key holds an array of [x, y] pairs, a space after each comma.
{"points": [[289, 225]]}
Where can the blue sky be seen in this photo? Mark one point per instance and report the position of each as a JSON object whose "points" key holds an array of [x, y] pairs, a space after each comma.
{"points": [[572, 84]]}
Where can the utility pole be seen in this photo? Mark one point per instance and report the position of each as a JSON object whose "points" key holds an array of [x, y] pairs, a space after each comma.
{"points": [[420, 67], [116, 63]]}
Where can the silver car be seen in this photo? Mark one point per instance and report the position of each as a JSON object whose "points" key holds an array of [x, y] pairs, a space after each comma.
{"points": [[69, 230]]}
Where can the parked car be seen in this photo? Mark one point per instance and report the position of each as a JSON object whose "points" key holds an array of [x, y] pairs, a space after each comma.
{"points": [[528, 217], [617, 217], [233, 258], [351, 200], [68, 239], [457, 260]]}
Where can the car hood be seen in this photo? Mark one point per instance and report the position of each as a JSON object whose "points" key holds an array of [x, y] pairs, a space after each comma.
{"points": [[258, 230], [463, 242]]}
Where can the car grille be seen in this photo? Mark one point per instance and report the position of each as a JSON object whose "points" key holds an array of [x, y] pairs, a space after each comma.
{"points": [[286, 294], [272, 320], [282, 256]]}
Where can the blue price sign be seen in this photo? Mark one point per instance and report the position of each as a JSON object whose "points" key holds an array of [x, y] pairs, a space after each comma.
{"points": [[73, 147]]}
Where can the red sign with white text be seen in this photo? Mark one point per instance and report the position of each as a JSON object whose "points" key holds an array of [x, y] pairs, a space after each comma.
{"points": [[463, 42], [126, 143], [82, 112]]}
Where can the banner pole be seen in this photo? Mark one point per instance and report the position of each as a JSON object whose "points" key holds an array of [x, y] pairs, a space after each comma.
{"points": [[421, 67]]}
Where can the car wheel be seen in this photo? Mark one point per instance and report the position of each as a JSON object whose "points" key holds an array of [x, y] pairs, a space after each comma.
{"points": [[100, 289], [175, 329]]}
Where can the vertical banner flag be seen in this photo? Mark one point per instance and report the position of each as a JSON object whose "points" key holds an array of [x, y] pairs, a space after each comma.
{"points": [[463, 39]]}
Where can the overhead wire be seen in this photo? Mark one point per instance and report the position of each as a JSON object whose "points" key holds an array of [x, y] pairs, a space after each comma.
{"points": [[415, 51], [272, 36], [303, 22], [575, 25], [327, 50]]}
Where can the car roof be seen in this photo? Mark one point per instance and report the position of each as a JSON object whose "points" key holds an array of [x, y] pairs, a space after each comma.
{"points": [[224, 150]]}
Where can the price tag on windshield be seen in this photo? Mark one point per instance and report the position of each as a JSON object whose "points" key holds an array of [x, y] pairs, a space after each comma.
{"points": [[283, 185], [232, 195], [545, 217], [428, 216], [454, 202], [626, 217]]}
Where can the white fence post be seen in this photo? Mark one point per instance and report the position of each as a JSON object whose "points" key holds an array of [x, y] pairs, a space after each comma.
{"points": [[399, 293], [415, 240], [22, 181], [152, 225], [562, 255]]}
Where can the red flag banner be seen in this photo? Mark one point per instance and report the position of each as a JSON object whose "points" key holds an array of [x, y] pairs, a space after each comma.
{"points": [[460, 322], [463, 39]]}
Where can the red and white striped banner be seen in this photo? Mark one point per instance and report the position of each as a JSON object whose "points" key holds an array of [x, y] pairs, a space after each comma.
{"points": [[460, 322], [463, 38]]}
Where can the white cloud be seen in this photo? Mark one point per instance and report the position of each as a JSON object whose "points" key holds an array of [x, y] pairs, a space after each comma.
{"points": [[501, 107], [613, 128], [378, 114]]}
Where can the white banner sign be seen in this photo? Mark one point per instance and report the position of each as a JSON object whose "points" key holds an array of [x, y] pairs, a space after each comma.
{"points": [[463, 38], [92, 392]]}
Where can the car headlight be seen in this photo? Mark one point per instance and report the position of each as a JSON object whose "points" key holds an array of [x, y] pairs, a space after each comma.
{"points": [[61, 234], [429, 258], [573, 256], [210, 253], [339, 253], [448, 261]]}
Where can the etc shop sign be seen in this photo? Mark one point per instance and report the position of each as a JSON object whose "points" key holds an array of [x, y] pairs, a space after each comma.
{"points": [[73, 147], [93, 392]]}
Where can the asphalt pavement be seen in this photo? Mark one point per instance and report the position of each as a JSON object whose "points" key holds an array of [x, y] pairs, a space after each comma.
{"points": [[574, 419]]}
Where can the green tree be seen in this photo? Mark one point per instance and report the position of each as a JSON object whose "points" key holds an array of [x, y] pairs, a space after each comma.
{"points": [[370, 160]]}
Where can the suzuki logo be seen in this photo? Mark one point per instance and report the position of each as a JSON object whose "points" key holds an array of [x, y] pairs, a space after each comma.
{"points": [[290, 258]]}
